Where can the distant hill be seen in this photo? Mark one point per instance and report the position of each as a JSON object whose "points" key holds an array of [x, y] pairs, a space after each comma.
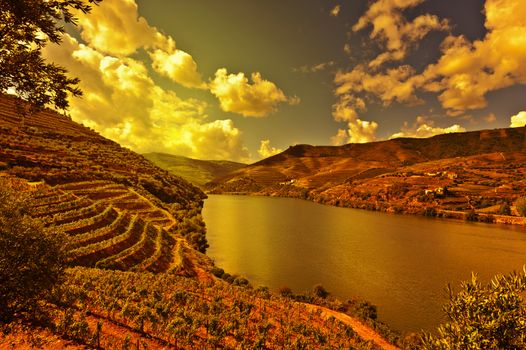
{"points": [[395, 175], [198, 172]]}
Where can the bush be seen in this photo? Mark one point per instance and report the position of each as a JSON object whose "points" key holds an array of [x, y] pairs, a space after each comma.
{"points": [[520, 205], [31, 257], [491, 316], [320, 291], [505, 209]]}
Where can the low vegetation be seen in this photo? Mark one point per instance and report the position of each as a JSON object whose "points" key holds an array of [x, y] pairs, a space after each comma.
{"points": [[491, 316], [32, 258]]}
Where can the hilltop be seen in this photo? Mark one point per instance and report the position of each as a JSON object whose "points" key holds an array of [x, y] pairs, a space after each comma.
{"points": [[198, 172], [475, 172]]}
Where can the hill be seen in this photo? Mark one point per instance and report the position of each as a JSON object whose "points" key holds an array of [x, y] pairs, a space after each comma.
{"points": [[198, 172], [119, 209], [450, 174]]}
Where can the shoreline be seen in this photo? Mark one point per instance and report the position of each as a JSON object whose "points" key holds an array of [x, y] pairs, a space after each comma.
{"points": [[508, 220]]}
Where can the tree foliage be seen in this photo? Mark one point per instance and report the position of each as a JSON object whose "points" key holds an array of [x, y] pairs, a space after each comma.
{"points": [[25, 28], [520, 204], [491, 316], [31, 257]]}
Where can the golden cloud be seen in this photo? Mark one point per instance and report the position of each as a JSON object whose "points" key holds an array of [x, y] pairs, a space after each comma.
{"points": [[115, 28], [423, 127], [393, 30], [518, 120], [467, 71], [359, 131], [178, 66], [266, 150], [236, 94], [123, 103]]}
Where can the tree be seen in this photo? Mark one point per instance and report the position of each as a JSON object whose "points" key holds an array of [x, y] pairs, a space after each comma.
{"points": [[520, 205], [31, 257], [491, 316], [25, 28], [320, 291]]}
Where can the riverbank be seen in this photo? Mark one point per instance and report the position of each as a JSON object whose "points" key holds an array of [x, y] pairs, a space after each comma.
{"points": [[386, 207]]}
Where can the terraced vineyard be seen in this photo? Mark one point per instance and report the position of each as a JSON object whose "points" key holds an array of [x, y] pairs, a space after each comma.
{"points": [[119, 210]]}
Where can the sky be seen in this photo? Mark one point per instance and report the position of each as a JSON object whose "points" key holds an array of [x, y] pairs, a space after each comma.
{"points": [[242, 80]]}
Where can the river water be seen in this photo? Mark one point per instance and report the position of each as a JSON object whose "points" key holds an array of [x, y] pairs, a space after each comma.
{"points": [[400, 263]]}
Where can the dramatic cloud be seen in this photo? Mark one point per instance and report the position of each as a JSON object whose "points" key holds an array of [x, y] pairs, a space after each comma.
{"points": [[115, 28], [423, 128], [396, 84], [178, 66], [518, 120], [265, 150], [393, 30], [236, 94], [467, 71], [462, 76], [123, 103]]}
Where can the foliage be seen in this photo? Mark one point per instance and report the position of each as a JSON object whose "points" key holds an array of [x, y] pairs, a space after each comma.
{"points": [[491, 316], [31, 257], [187, 313], [520, 205], [320, 291], [26, 27], [505, 209]]}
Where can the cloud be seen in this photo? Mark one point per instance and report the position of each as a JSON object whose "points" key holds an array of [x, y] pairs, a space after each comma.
{"points": [[335, 11], [123, 103], [359, 131], [341, 138], [490, 118], [518, 120], [423, 127], [467, 71], [178, 66], [115, 28], [265, 150], [236, 94], [315, 68], [396, 84], [391, 28]]}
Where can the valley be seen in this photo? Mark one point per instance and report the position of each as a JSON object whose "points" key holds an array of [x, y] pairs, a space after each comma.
{"points": [[135, 242]]}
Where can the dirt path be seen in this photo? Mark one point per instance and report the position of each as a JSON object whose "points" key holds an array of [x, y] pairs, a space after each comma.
{"points": [[365, 332]]}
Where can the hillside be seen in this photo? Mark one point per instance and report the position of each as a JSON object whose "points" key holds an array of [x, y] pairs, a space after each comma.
{"points": [[198, 172], [450, 174], [120, 210]]}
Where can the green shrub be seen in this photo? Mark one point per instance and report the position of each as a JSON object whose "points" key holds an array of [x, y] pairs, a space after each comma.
{"points": [[31, 257], [320, 291], [520, 205], [491, 316]]}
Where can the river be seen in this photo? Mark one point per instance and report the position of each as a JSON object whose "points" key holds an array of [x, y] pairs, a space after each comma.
{"points": [[399, 263]]}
